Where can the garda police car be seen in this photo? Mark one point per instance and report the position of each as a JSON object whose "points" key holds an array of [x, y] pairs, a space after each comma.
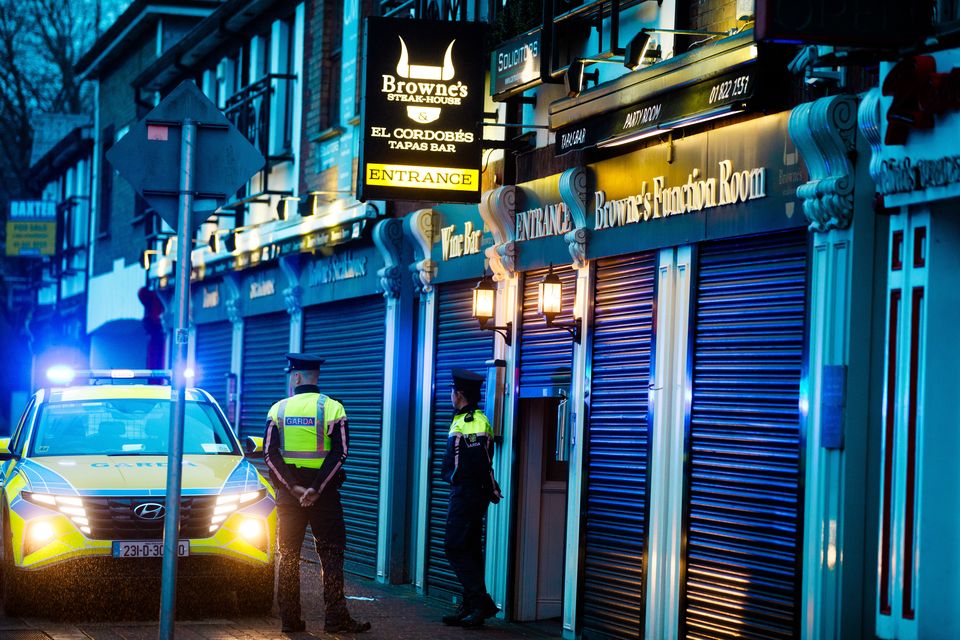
{"points": [[83, 495]]}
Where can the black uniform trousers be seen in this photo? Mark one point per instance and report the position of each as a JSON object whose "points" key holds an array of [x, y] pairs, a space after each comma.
{"points": [[325, 518], [463, 544]]}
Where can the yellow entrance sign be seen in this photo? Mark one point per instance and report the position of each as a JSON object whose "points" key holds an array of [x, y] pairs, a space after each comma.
{"points": [[413, 177], [31, 237]]}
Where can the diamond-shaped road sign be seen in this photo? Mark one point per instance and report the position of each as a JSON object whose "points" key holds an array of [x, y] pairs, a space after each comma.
{"points": [[148, 157]]}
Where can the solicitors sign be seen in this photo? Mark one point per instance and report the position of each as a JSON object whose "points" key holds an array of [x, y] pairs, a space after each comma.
{"points": [[422, 111]]}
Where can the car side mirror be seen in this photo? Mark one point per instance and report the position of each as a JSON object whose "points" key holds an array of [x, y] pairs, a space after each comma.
{"points": [[5, 453], [252, 445]]}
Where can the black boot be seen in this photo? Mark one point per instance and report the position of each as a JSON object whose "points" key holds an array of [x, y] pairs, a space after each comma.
{"points": [[486, 609], [347, 625], [454, 619], [293, 626]]}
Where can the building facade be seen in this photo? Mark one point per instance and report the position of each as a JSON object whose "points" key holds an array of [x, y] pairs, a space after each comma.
{"points": [[724, 415]]}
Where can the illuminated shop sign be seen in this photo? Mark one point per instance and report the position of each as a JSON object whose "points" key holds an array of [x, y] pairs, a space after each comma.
{"points": [[921, 107], [422, 111], [658, 199], [457, 245], [211, 297], [337, 268], [515, 66], [716, 97], [542, 222]]}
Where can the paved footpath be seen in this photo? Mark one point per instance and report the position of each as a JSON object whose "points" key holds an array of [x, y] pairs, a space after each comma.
{"points": [[396, 613]]}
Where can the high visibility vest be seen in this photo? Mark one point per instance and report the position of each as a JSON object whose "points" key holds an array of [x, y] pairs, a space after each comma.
{"points": [[479, 426], [304, 422]]}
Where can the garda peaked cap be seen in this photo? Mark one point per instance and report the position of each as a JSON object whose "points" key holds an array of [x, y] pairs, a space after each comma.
{"points": [[467, 381], [303, 362]]}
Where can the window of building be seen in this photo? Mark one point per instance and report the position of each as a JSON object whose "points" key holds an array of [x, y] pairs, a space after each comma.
{"points": [[330, 71]]}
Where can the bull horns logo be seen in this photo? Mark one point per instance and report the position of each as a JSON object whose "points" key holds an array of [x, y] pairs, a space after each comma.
{"points": [[425, 72]]}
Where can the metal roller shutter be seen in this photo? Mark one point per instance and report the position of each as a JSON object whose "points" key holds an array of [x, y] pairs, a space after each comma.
{"points": [[617, 448], [353, 374], [213, 354], [546, 353], [266, 340], [460, 344], [744, 520]]}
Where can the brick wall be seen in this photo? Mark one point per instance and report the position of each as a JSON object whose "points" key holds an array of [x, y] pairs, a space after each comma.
{"points": [[712, 15], [117, 106]]}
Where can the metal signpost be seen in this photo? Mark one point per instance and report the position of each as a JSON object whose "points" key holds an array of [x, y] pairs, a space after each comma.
{"points": [[184, 158]]}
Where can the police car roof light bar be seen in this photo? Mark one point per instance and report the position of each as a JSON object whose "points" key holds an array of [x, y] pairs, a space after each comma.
{"points": [[124, 374]]}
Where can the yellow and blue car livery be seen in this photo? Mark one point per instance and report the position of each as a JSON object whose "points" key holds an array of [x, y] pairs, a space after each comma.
{"points": [[84, 477]]}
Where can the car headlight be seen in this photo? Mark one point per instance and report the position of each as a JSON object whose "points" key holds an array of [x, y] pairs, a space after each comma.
{"points": [[70, 506], [230, 502]]}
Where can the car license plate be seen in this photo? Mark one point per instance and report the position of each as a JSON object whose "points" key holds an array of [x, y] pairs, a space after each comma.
{"points": [[146, 549]]}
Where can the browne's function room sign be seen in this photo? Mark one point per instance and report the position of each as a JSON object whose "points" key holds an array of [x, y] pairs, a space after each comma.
{"points": [[422, 111]]}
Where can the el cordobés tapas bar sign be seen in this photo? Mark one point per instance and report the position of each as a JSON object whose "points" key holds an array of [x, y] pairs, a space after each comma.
{"points": [[422, 111]]}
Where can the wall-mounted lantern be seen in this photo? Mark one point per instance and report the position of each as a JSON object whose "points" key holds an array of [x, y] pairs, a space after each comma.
{"points": [[550, 304], [484, 309]]}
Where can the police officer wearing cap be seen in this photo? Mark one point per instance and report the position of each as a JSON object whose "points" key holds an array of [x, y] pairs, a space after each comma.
{"points": [[467, 466], [305, 447]]}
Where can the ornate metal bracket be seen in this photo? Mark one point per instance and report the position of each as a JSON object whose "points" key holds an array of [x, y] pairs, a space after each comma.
{"points": [[420, 226], [573, 192], [825, 133], [388, 236], [497, 209], [293, 292]]}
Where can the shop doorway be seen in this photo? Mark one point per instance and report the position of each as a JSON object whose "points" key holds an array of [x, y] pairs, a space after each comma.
{"points": [[541, 512]]}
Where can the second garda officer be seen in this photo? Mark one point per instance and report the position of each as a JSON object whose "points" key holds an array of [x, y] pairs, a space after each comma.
{"points": [[305, 446], [467, 466]]}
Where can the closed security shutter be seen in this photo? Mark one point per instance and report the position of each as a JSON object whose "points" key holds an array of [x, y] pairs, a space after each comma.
{"points": [[266, 341], [460, 344], [350, 336], [213, 354], [546, 353], [744, 522], [615, 518]]}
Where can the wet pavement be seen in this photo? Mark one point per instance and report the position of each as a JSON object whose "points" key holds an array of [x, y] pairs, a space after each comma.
{"points": [[129, 612]]}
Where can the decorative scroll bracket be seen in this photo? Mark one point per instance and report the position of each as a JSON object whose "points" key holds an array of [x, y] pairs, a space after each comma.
{"points": [[870, 117], [497, 210], [232, 301], [293, 292], [825, 134], [388, 236], [420, 226], [573, 192]]}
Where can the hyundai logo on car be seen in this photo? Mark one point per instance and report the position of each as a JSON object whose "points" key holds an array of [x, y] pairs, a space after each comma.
{"points": [[149, 511]]}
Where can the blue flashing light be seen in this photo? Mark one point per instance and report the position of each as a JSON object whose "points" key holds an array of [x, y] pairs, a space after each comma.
{"points": [[61, 374]]}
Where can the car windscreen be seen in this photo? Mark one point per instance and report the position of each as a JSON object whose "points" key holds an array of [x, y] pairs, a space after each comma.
{"points": [[126, 426]]}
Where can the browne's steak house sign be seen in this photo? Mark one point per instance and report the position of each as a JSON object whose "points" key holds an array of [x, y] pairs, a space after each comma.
{"points": [[422, 111]]}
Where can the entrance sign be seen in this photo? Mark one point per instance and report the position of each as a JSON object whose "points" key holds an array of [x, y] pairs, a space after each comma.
{"points": [[422, 111], [32, 228]]}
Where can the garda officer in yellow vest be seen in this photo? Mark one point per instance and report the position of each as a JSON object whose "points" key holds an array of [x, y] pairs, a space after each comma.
{"points": [[305, 447], [467, 466]]}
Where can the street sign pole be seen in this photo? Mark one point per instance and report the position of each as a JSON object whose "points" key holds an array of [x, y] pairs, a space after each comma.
{"points": [[171, 525]]}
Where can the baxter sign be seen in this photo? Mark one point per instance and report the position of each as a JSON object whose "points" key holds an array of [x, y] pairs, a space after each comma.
{"points": [[422, 111]]}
